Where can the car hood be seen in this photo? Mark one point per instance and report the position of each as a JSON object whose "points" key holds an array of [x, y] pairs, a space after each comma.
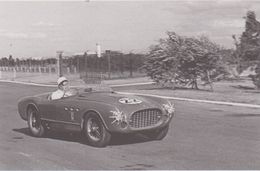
{"points": [[120, 100]]}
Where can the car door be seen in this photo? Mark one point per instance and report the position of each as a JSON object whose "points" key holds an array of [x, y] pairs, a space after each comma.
{"points": [[48, 109], [67, 110]]}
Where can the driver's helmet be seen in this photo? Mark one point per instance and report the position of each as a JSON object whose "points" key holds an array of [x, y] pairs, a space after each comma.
{"points": [[61, 80]]}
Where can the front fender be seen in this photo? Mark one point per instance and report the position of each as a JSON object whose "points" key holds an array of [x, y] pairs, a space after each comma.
{"points": [[103, 110]]}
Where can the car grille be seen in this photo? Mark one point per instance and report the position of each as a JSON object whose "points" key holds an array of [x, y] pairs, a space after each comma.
{"points": [[145, 118]]}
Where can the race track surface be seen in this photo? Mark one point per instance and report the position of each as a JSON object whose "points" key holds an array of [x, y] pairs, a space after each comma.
{"points": [[201, 136]]}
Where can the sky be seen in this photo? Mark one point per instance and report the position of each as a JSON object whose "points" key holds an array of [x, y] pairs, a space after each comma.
{"points": [[41, 28]]}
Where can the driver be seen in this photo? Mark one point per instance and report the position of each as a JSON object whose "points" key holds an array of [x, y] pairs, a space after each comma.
{"points": [[63, 89]]}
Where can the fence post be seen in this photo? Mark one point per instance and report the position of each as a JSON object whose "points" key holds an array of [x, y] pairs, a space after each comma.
{"points": [[68, 70], [14, 73], [75, 70]]}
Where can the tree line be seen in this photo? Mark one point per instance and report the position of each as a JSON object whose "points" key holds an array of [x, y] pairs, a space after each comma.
{"points": [[11, 62], [115, 61]]}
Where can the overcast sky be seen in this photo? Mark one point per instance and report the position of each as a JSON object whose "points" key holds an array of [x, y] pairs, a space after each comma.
{"points": [[39, 29]]}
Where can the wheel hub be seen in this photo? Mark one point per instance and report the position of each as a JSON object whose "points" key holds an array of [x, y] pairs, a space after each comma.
{"points": [[35, 121], [93, 130]]}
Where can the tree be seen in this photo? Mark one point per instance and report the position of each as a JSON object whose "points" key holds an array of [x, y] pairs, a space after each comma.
{"points": [[248, 48], [17, 62], [179, 60], [250, 39], [11, 61], [4, 61]]}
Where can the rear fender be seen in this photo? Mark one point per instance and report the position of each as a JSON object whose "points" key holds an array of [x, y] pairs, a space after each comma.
{"points": [[23, 106]]}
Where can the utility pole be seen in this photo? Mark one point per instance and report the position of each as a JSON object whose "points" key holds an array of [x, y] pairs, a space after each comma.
{"points": [[98, 52], [78, 61], [10, 56], [86, 64], [30, 64], [109, 63], [59, 53], [131, 64]]}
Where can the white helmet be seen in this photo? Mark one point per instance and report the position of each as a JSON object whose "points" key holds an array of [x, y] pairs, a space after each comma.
{"points": [[61, 79]]}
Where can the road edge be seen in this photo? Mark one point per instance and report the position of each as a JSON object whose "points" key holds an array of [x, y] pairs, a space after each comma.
{"points": [[151, 95]]}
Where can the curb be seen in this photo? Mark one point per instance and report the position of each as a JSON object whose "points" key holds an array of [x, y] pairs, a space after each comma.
{"points": [[52, 85], [26, 83], [151, 95], [131, 84]]}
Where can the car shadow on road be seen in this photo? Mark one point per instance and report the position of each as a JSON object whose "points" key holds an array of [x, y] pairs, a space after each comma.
{"points": [[24, 131], [116, 140], [121, 139], [64, 136]]}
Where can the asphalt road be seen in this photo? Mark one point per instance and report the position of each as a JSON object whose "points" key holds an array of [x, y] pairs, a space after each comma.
{"points": [[201, 136]]}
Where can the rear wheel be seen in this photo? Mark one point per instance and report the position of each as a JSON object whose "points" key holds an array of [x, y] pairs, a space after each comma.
{"points": [[158, 134], [95, 131], [34, 122]]}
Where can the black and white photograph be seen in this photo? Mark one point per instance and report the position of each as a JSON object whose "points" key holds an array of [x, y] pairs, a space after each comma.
{"points": [[130, 85]]}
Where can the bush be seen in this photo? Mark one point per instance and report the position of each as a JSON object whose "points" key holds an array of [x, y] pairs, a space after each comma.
{"points": [[180, 61], [256, 78]]}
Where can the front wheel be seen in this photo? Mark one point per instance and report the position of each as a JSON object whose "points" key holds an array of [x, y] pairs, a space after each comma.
{"points": [[34, 123], [158, 134], [95, 131]]}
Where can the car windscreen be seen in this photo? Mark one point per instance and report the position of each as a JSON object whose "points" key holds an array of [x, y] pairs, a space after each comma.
{"points": [[95, 87]]}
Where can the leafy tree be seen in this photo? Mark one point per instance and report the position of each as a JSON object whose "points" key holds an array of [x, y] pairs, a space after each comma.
{"points": [[250, 39], [248, 48], [4, 61], [179, 60], [11, 60], [17, 62]]}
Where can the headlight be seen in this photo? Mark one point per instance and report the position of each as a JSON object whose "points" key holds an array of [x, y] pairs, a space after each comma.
{"points": [[169, 108], [119, 118]]}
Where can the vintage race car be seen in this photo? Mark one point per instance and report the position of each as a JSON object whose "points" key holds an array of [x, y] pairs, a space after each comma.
{"points": [[98, 114]]}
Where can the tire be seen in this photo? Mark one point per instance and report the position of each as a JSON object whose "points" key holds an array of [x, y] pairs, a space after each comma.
{"points": [[34, 123], [158, 134], [95, 131]]}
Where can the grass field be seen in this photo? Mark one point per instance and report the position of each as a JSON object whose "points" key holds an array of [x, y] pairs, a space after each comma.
{"points": [[241, 91]]}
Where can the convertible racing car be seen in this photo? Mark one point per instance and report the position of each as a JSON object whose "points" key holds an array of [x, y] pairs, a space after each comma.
{"points": [[98, 114]]}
